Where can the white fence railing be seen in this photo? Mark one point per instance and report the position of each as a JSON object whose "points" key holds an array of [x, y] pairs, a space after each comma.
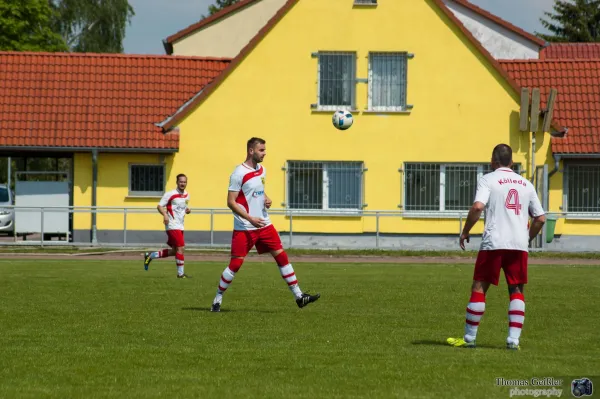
{"points": [[47, 234]]}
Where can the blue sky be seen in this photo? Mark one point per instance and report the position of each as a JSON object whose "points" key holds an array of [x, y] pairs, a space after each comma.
{"points": [[157, 19]]}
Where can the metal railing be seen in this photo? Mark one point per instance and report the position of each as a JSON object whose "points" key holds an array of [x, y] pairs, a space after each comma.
{"points": [[374, 238]]}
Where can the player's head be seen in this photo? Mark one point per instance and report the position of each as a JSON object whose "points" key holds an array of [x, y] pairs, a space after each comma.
{"points": [[181, 182], [502, 156], [257, 149]]}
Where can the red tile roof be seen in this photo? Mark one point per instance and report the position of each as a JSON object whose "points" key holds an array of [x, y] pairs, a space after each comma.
{"points": [[488, 15], [82, 101], [205, 22], [577, 104], [571, 51]]}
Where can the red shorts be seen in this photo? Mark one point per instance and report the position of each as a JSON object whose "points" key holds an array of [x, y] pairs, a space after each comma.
{"points": [[513, 262], [265, 239], [175, 238]]}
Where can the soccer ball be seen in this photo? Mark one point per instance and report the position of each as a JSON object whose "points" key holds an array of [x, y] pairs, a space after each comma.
{"points": [[342, 120]]}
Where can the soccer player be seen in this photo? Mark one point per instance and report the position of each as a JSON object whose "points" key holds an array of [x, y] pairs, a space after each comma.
{"points": [[173, 207], [508, 200], [252, 227]]}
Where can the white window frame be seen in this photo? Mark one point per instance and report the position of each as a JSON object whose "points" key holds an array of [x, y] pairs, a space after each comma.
{"points": [[568, 166], [146, 193], [396, 108], [352, 106], [442, 189], [325, 191]]}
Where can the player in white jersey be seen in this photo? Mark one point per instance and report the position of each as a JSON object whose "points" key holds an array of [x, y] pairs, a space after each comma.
{"points": [[509, 201], [173, 207], [251, 225]]}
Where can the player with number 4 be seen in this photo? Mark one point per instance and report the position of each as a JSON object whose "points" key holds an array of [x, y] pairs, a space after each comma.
{"points": [[508, 200]]}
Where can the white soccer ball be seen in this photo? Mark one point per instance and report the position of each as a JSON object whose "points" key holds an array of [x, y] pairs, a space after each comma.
{"points": [[342, 120]]}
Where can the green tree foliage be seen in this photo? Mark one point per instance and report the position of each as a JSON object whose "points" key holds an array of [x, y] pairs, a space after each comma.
{"points": [[219, 5], [93, 25], [573, 21], [27, 25]]}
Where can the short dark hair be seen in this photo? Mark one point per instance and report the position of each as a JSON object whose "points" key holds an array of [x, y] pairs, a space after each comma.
{"points": [[254, 141], [180, 175], [502, 154]]}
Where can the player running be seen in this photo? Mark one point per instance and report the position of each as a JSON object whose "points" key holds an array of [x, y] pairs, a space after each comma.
{"points": [[508, 200], [173, 207], [252, 227]]}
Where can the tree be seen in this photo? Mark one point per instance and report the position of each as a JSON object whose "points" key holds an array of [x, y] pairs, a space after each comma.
{"points": [[220, 4], [93, 25], [573, 21], [28, 26]]}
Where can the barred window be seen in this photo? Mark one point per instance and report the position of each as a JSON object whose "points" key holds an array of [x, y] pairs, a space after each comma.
{"points": [[337, 80], [325, 185], [146, 180], [387, 81], [442, 187], [583, 188]]}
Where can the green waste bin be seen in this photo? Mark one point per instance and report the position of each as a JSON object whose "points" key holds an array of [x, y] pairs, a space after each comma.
{"points": [[550, 227]]}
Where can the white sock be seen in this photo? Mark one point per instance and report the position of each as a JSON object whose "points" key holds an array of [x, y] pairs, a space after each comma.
{"points": [[516, 318], [475, 310], [288, 274], [218, 298], [180, 270]]}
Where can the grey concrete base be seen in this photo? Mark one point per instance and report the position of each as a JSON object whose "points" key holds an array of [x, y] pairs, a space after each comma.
{"points": [[574, 244], [428, 242]]}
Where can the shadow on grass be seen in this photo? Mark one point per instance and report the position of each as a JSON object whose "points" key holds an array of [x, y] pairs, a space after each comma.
{"points": [[443, 343], [207, 309]]}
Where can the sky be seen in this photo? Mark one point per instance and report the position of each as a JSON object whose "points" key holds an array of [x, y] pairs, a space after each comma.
{"points": [[155, 20]]}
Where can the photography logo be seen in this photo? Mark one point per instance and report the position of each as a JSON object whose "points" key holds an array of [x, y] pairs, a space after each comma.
{"points": [[582, 387]]}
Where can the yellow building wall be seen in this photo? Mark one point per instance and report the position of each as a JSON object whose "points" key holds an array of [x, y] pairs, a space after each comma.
{"points": [[462, 109]]}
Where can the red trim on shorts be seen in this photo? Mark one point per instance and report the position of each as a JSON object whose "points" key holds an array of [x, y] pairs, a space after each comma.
{"points": [[516, 325], [473, 312]]}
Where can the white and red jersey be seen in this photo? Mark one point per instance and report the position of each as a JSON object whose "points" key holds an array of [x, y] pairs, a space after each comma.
{"points": [[509, 201], [250, 185], [175, 203]]}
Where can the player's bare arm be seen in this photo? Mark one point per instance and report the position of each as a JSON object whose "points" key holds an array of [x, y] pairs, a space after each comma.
{"points": [[536, 226], [472, 218], [163, 212], [235, 208], [268, 201]]}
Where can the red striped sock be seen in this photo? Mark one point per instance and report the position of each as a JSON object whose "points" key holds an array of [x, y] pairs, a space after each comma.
{"points": [[179, 261], [288, 274], [475, 310], [228, 274], [516, 317]]}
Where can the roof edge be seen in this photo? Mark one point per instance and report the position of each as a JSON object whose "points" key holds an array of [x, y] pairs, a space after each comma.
{"points": [[495, 63], [207, 21], [111, 55], [496, 19], [87, 149], [174, 119]]}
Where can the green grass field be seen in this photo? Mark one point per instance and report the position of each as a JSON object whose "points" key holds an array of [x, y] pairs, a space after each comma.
{"points": [[85, 328]]}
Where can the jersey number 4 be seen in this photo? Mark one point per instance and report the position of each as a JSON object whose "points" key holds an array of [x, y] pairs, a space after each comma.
{"points": [[512, 201]]}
